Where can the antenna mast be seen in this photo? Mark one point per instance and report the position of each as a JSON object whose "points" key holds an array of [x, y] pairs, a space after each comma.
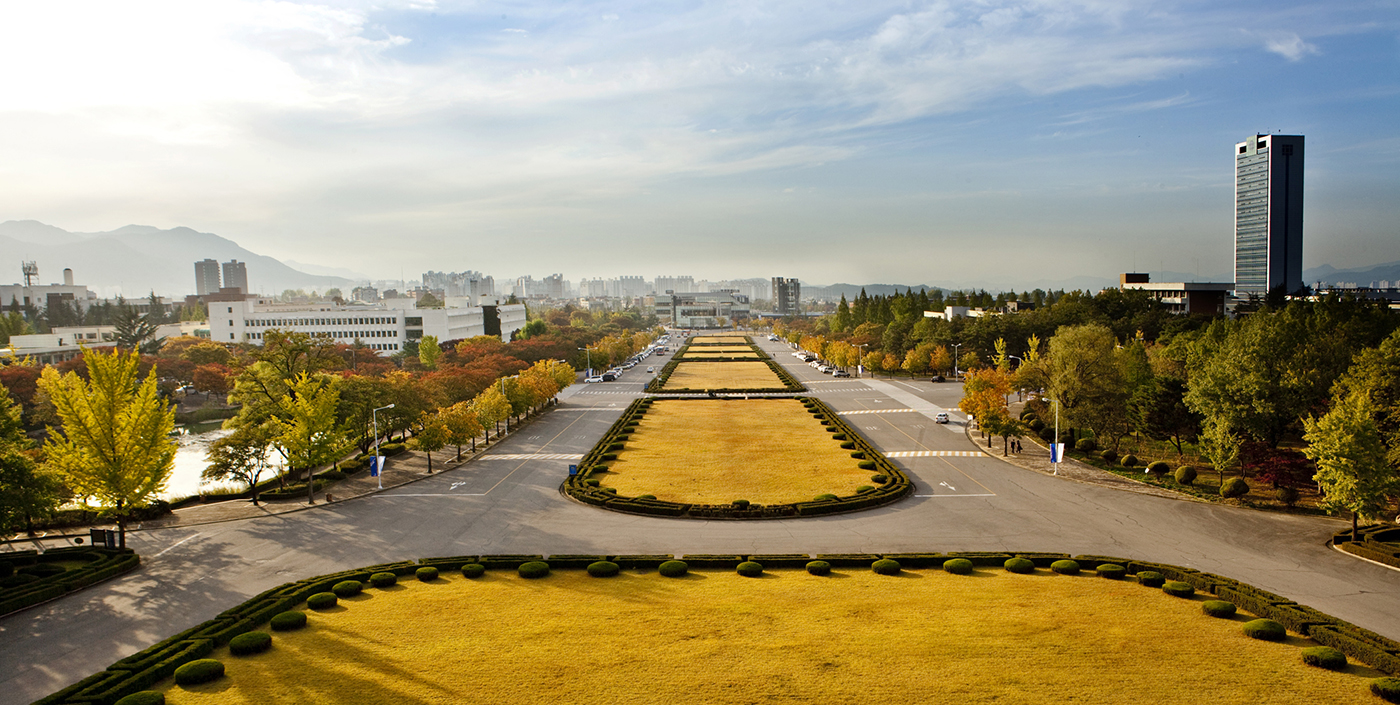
{"points": [[31, 273]]}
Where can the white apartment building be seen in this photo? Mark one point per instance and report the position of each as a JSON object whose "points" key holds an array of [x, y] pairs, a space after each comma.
{"points": [[384, 327]]}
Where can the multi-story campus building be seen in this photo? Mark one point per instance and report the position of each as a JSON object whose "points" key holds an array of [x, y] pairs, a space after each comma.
{"points": [[1207, 298], [206, 277], [1268, 214], [716, 309], [787, 296], [384, 327], [236, 276]]}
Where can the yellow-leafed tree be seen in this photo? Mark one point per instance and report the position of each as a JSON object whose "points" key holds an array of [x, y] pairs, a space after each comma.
{"points": [[114, 446], [309, 434]]}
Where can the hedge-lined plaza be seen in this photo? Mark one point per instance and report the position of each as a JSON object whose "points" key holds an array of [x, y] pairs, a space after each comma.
{"points": [[765, 451], [971, 627], [700, 376], [706, 353], [28, 578]]}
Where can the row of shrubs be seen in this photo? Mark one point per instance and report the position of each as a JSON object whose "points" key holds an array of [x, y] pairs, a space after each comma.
{"points": [[890, 483], [28, 578], [790, 383], [1379, 543], [142, 670], [323, 479]]}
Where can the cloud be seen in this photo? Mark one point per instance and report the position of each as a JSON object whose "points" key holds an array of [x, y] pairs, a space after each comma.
{"points": [[1289, 45]]}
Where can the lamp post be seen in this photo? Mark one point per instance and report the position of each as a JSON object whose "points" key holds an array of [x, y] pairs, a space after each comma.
{"points": [[378, 459], [955, 359], [588, 353], [860, 360]]}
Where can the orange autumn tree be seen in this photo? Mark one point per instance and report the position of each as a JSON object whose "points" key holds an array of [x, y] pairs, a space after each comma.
{"points": [[984, 398]]}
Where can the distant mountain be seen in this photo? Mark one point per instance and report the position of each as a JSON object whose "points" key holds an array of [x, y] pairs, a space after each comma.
{"points": [[324, 271], [137, 259], [1390, 271]]}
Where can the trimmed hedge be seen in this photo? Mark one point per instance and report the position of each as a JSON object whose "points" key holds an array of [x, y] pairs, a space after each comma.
{"points": [[1218, 608], [1065, 567], [1325, 657], [473, 570], [34, 584], [347, 588], [1185, 475], [1264, 630], [885, 566], [144, 697], [1151, 578], [249, 643], [1234, 487], [1019, 565], [1387, 689], [200, 671], [1108, 456], [749, 569], [958, 566], [586, 488], [1176, 588], [1158, 468], [1112, 571], [426, 574], [288, 621], [1129, 461], [533, 570], [383, 580], [673, 569], [818, 567], [603, 569], [1086, 445], [322, 601]]}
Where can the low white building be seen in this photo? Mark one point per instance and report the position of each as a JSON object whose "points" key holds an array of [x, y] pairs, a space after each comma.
{"points": [[384, 327]]}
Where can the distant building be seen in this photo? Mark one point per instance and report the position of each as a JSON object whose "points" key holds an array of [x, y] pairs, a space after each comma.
{"points": [[206, 277], [384, 327], [236, 276], [364, 294], [717, 309], [674, 285], [1269, 214], [42, 296], [787, 296], [1182, 297]]}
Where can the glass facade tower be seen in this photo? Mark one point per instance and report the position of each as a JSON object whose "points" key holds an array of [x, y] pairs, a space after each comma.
{"points": [[1269, 214]]}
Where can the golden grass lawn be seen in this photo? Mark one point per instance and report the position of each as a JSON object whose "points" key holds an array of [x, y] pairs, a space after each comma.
{"points": [[703, 339], [716, 637], [704, 451], [702, 353], [722, 375]]}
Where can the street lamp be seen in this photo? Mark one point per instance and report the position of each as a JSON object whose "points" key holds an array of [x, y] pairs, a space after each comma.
{"points": [[378, 459], [860, 359], [955, 359], [589, 356]]}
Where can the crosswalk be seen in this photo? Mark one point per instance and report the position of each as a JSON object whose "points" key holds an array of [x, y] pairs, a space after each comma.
{"points": [[935, 454], [532, 456]]}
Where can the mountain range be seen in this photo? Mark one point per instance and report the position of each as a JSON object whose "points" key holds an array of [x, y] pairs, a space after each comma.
{"points": [[137, 259]]}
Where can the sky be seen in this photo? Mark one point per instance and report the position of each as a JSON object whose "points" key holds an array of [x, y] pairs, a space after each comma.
{"points": [[990, 143]]}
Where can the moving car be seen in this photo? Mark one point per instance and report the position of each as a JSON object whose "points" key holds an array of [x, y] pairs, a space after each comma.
{"points": [[840, 373], [651, 370], [941, 417], [591, 380]]}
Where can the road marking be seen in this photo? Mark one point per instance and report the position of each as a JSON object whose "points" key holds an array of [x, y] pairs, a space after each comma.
{"points": [[431, 494], [874, 411], [533, 456], [954, 495], [935, 454], [173, 545]]}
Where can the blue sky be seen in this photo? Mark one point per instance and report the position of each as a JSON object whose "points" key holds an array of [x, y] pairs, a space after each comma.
{"points": [[953, 143]]}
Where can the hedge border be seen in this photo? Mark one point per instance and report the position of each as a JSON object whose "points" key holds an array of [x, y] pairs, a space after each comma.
{"points": [[104, 563], [658, 383], [700, 347], [148, 667], [896, 487], [1369, 547]]}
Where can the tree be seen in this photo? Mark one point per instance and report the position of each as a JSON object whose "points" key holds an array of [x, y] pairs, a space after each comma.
{"points": [[428, 351], [27, 492], [491, 407], [462, 424], [890, 362], [1220, 445], [429, 301], [433, 434], [941, 361], [1351, 465], [1375, 374], [1085, 378], [211, 378], [241, 456], [114, 445], [1160, 412], [136, 332], [873, 361], [307, 431]]}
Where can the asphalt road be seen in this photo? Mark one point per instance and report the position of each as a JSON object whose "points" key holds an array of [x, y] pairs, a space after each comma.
{"points": [[508, 502]]}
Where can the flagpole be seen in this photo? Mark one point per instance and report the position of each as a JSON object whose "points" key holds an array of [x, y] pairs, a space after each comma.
{"points": [[379, 459]]}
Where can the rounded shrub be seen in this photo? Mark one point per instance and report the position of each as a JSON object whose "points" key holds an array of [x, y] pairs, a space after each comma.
{"points": [[1037, 425], [822, 497], [44, 570], [1325, 657], [1151, 578], [1109, 456], [957, 566], [1047, 434], [819, 568], [1287, 495], [885, 566], [1185, 475], [750, 569], [1158, 468], [473, 570], [603, 569], [533, 569], [879, 479], [144, 697], [1234, 487], [610, 490], [288, 621], [1129, 461], [426, 574], [202, 670], [1387, 689], [322, 601], [347, 588], [864, 488], [1086, 445], [590, 482], [842, 437], [741, 503], [646, 496], [848, 445], [673, 569], [383, 580], [1176, 588], [1112, 571], [1065, 567], [1218, 608], [866, 465], [249, 643], [858, 455], [1265, 630], [1019, 565]]}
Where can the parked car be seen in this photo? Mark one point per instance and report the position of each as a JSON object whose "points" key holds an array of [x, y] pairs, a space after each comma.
{"points": [[608, 377], [591, 380], [840, 373], [938, 378], [941, 417]]}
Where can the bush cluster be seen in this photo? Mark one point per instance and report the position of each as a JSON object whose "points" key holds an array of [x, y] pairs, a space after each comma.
{"points": [[473, 570], [1086, 445], [1019, 565], [958, 566], [750, 569], [819, 568], [1158, 468], [288, 621], [201, 670], [1387, 689], [1130, 461], [1325, 657], [383, 580], [249, 643], [603, 569], [1112, 571], [740, 503], [673, 569], [1234, 487], [1176, 588], [1185, 475], [347, 588], [426, 574], [822, 497], [879, 479], [1218, 608], [885, 566], [322, 601], [866, 465], [1065, 567], [1109, 456], [1151, 578], [1265, 630], [533, 569], [1287, 495]]}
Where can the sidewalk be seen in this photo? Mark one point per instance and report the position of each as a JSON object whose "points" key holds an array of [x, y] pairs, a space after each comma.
{"points": [[1036, 458]]}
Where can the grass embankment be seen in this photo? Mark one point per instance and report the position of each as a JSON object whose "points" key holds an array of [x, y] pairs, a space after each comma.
{"points": [[716, 637], [699, 376], [768, 451]]}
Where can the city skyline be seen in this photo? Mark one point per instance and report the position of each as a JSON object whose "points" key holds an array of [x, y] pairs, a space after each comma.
{"points": [[915, 143]]}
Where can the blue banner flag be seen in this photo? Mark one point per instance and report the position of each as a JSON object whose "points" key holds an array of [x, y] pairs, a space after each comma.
{"points": [[374, 464], [1057, 452]]}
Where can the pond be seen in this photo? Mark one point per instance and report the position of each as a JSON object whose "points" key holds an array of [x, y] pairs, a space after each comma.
{"points": [[190, 461]]}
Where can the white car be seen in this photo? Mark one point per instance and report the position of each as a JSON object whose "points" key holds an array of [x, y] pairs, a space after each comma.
{"points": [[591, 380], [941, 417], [651, 370]]}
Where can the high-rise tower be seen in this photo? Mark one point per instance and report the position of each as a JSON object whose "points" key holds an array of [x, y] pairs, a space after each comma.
{"points": [[1269, 214], [236, 276], [206, 277]]}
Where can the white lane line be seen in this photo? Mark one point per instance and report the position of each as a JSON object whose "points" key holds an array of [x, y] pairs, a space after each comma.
{"points": [[533, 456], [935, 454], [173, 545], [954, 495], [430, 494], [875, 411], [917, 403]]}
